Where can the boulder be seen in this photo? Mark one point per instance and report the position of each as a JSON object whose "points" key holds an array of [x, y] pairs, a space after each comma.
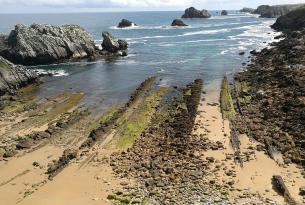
{"points": [[112, 44], [125, 23], [195, 13], [13, 77], [302, 191], [224, 13], [178, 22], [266, 11], [294, 20], [44, 44], [247, 10]]}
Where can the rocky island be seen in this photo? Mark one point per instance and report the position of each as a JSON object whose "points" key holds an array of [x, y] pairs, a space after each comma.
{"points": [[195, 13], [247, 10], [224, 13], [178, 22], [126, 23]]}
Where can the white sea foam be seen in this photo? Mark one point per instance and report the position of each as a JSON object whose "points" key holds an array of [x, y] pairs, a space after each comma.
{"points": [[55, 73], [206, 32]]}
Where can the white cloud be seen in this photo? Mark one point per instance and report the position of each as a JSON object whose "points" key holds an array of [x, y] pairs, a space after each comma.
{"points": [[134, 4], [98, 3]]}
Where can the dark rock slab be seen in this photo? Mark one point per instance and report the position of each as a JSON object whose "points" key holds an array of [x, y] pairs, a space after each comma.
{"points": [[178, 22]]}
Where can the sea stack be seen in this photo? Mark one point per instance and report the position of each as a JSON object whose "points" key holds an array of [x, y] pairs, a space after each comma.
{"points": [[195, 13], [114, 45], [125, 23], [224, 13], [45, 44], [247, 10], [178, 22]]}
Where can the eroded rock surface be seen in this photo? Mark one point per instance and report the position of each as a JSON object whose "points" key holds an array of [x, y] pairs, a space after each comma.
{"points": [[13, 76], [44, 44], [112, 44]]}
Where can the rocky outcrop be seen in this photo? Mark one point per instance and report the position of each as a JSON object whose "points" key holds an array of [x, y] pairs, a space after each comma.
{"points": [[13, 77], [294, 20], [247, 10], [44, 44], [195, 13], [125, 23], [113, 45], [178, 22], [224, 12], [266, 11], [270, 98]]}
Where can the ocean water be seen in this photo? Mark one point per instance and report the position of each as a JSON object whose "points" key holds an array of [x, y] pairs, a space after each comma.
{"points": [[207, 49]]}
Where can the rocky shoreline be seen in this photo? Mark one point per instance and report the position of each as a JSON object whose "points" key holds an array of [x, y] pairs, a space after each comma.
{"points": [[165, 145], [268, 99]]}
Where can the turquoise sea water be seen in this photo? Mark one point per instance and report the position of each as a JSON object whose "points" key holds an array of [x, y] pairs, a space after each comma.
{"points": [[207, 49]]}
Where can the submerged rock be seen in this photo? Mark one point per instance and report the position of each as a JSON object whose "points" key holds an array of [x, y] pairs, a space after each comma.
{"points": [[195, 13], [44, 44], [224, 13], [112, 44], [266, 11], [125, 23], [294, 20], [178, 22], [13, 76]]}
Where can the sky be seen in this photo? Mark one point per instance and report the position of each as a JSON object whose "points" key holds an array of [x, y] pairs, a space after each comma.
{"points": [[50, 6]]}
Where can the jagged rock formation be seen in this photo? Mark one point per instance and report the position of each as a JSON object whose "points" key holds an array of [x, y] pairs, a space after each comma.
{"points": [[224, 12], [294, 20], [266, 11], [195, 13], [13, 77], [178, 22], [125, 23], [247, 10], [113, 45], [44, 44]]}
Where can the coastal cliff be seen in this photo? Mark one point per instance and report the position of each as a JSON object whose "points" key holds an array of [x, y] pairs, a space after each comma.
{"points": [[292, 21], [43, 44], [266, 11], [13, 77]]}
